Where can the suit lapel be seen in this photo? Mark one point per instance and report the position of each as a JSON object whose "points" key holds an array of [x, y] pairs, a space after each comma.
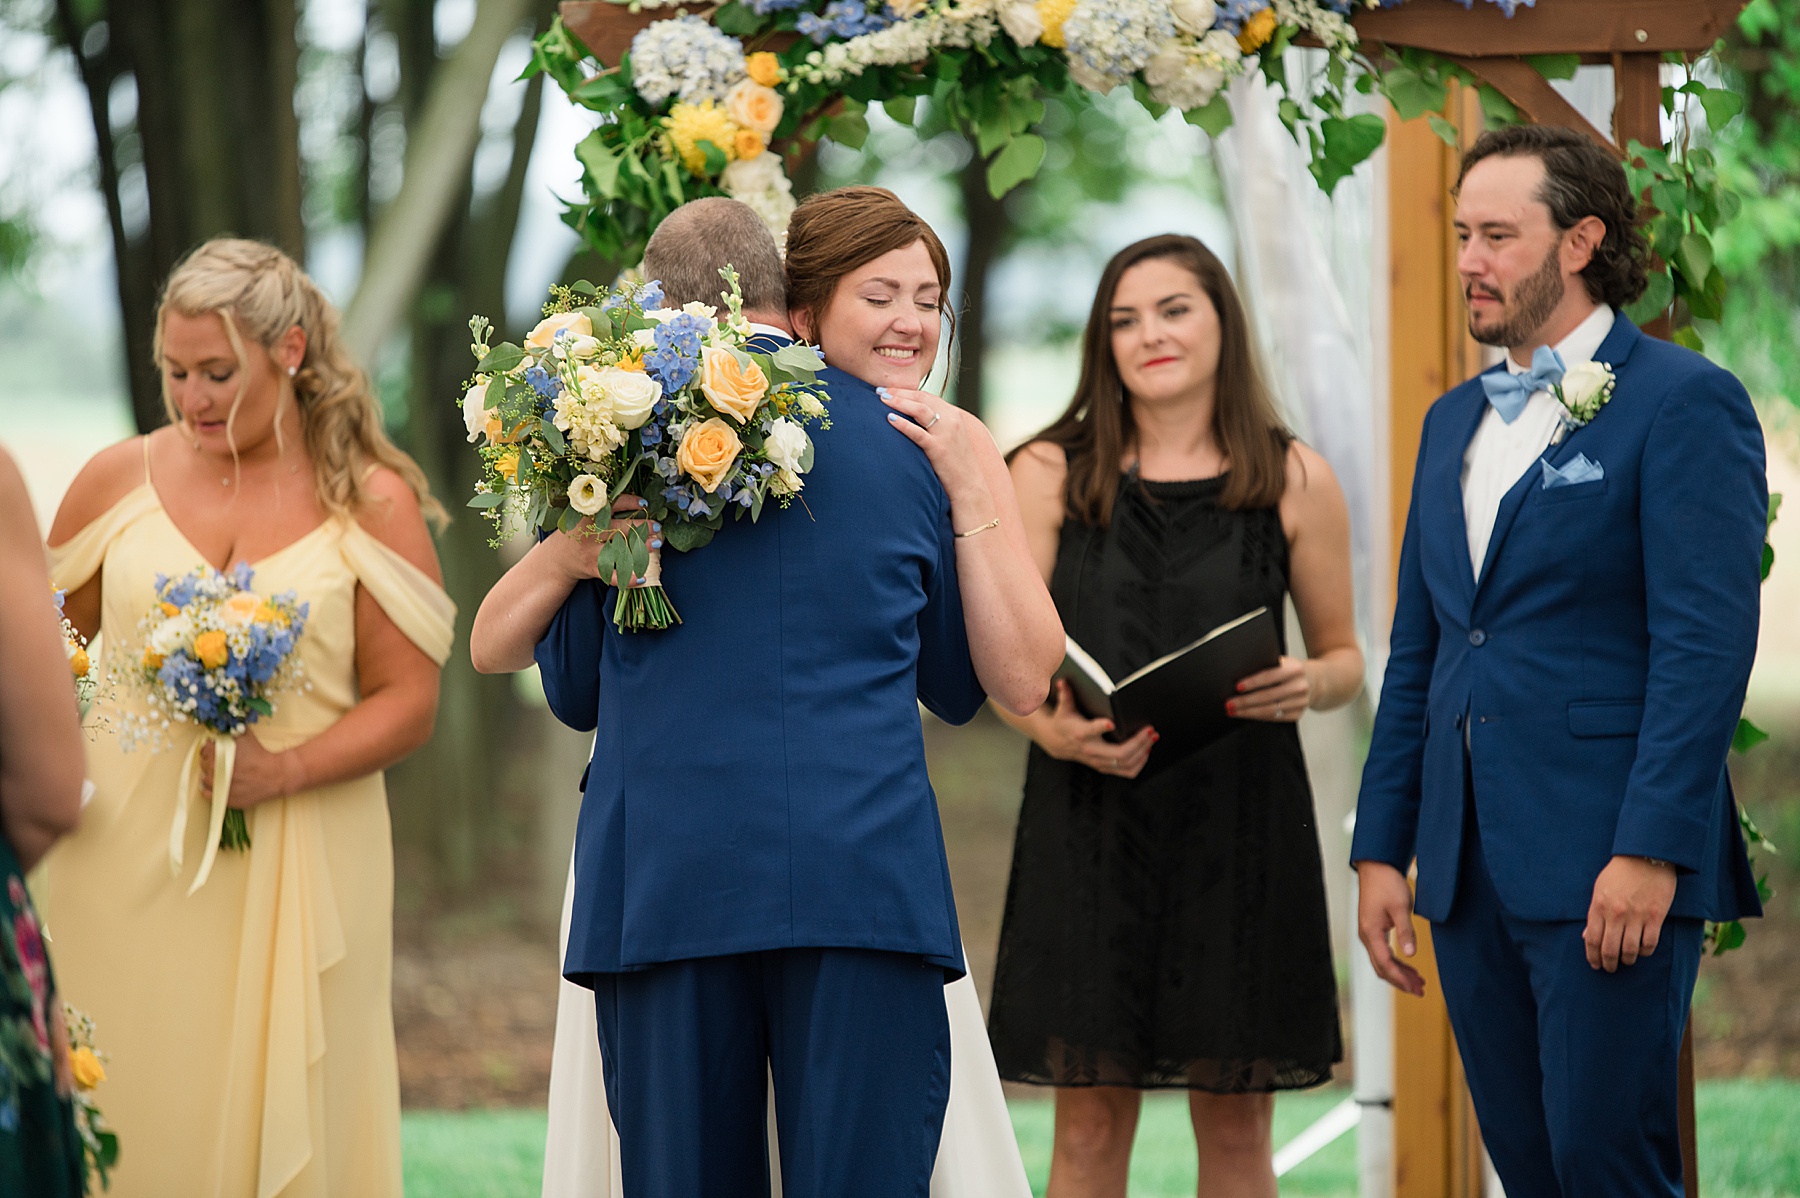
{"points": [[1613, 351], [1450, 488]]}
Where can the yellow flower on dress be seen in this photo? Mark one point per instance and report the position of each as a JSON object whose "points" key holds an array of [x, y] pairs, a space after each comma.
{"points": [[87, 1068], [210, 649], [1257, 31], [690, 124], [764, 67], [1053, 13], [749, 144]]}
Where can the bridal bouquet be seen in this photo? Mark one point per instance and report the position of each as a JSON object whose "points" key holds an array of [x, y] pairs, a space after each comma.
{"points": [[99, 1143], [214, 653], [614, 394]]}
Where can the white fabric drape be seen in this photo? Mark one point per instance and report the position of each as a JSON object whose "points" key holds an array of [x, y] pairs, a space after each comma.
{"points": [[977, 1158]]}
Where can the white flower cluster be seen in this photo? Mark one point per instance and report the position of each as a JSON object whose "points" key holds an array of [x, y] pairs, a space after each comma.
{"points": [[946, 25], [587, 419], [761, 183], [1333, 29], [1188, 70], [1109, 41], [686, 58]]}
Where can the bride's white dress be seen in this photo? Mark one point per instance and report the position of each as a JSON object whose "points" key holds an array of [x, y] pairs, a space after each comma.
{"points": [[978, 1157]]}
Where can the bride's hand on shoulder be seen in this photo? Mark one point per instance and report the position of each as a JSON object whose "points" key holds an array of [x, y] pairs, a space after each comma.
{"points": [[956, 443]]}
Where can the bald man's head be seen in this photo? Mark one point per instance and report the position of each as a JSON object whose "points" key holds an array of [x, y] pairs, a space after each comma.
{"points": [[693, 242]]}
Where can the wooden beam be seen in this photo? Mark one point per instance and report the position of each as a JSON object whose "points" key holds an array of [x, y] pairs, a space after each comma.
{"points": [[606, 29], [1533, 96], [1553, 27]]}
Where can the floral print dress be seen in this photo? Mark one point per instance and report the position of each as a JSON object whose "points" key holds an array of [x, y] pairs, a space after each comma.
{"points": [[40, 1153]]}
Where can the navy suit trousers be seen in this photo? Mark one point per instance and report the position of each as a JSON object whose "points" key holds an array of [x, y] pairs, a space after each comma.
{"points": [[858, 1042], [1573, 1069]]}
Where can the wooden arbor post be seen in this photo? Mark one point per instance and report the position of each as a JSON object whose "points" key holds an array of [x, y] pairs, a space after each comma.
{"points": [[1436, 1143]]}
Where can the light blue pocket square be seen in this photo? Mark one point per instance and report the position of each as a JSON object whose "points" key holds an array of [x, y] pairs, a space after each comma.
{"points": [[1581, 470]]}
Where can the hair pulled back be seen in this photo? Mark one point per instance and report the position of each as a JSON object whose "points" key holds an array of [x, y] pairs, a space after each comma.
{"points": [[835, 232], [261, 293]]}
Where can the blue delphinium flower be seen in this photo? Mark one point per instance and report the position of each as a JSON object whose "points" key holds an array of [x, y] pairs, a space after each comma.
{"points": [[650, 295], [843, 19], [241, 574], [763, 8], [650, 434], [668, 468], [677, 353], [1233, 13], [745, 497], [543, 382]]}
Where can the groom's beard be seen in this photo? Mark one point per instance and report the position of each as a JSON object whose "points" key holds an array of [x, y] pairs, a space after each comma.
{"points": [[1526, 310]]}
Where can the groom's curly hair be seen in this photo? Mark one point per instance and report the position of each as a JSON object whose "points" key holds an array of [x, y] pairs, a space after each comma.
{"points": [[1581, 179]]}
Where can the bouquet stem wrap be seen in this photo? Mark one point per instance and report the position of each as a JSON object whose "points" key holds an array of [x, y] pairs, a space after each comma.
{"points": [[224, 758], [643, 604]]}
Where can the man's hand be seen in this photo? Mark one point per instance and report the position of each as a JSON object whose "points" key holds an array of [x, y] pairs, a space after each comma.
{"points": [[1631, 899], [1384, 907]]}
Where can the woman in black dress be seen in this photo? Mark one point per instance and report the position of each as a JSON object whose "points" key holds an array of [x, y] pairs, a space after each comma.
{"points": [[1170, 932]]}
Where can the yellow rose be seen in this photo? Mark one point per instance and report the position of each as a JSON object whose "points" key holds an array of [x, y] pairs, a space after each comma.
{"points": [[1053, 13], [152, 660], [733, 387], [241, 608], [210, 649], [750, 105], [1256, 31], [87, 1068], [764, 67], [749, 144], [268, 613], [708, 451], [508, 465], [169, 609], [78, 662], [545, 333]]}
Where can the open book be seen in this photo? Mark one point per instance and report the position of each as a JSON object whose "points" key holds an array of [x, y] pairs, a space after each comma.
{"points": [[1181, 694]]}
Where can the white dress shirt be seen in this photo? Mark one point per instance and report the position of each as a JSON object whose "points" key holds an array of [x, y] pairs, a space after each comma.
{"points": [[1500, 452]]}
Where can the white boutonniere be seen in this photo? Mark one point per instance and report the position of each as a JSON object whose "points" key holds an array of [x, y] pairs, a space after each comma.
{"points": [[1585, 388]]}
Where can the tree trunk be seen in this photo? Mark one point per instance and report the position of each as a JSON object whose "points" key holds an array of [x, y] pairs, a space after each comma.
{"points": [[215, 132], [989, 230]]}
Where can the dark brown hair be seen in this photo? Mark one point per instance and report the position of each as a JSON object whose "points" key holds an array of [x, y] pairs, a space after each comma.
{"points": [[1581, 179], [834, 232], [697, 239], [1097, 429]]}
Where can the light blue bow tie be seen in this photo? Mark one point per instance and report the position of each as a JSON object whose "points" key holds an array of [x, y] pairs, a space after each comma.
{"points": [[1508, 391]]}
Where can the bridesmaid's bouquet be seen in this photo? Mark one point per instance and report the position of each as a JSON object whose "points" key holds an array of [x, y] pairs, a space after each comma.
{"points": [[75, 646], [213, 653], [612, 394], [99, 1143]]}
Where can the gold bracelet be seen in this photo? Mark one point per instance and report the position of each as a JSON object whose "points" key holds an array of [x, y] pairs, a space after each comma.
{"points": [[994, 523]]}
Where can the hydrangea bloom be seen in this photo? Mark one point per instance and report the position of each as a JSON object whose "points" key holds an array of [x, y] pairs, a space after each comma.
{"points": [[1110, 40], [685, 58]]}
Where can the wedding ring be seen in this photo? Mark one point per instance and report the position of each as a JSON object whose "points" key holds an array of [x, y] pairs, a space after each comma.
{"points": [[935, 417], [1277, 711], [1115, 763]]}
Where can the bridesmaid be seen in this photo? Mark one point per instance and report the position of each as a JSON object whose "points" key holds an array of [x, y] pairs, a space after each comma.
{"points": [[1169, 932], [40, 797], [250, 1026]]}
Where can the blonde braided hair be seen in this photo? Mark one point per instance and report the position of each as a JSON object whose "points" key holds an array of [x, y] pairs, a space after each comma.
{"points": [[261, 293]]}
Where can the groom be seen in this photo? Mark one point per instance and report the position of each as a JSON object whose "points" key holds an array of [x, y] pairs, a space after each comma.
{"points": [[761, 885], [1575, 621]]}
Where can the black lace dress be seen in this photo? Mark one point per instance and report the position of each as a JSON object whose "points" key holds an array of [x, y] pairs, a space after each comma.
{"points": [[1169, 931]]}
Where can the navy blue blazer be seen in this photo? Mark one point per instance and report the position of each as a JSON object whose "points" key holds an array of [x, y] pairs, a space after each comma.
{"points": [[758, 779], [1597, 669]]}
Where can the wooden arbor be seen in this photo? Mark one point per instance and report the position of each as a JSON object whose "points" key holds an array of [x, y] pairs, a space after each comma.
{"points": [[1436, 1143]]}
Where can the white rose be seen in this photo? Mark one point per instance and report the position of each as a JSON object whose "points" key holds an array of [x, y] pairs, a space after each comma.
{"points": [[750, 105], [810, 405], [582, 349], [634, 395], [700, 310], [1194, 16], [1585, 382], [747, 176], [587, 494], [1022, 22], [1092, 80], [475, 410], [171, 635], [644, 339], [1223, 44], [904, 10], [785, 444], [661, 315], [1166, 65]]}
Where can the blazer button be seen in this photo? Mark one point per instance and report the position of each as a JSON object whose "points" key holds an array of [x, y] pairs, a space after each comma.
{"points": [[1478, 638], [1457, 722]]}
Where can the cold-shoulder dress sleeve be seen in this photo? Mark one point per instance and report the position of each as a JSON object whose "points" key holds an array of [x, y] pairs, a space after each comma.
{"points": [[79, 558], [418, 606]]}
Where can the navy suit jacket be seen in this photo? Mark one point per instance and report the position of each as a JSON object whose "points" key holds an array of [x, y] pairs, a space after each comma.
{"points": [[758, 779], [1597, 669]]}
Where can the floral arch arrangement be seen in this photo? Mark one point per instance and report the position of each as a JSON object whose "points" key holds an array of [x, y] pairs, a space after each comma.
{"points": [[710, 99]]}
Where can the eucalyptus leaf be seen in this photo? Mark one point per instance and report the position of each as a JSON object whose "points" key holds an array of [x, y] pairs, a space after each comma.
{"points": [[486, 499], [553, 437], [684, 536], [502, 358], [799, 357]]}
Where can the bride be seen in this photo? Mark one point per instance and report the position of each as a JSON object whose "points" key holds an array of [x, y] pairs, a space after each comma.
{"points": [[977, 1154]]}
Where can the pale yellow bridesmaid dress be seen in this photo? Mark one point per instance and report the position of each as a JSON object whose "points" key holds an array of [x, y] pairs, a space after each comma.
{"points": [[250, 1026]]}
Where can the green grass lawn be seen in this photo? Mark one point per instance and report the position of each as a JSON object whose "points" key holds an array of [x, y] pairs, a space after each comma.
{"points": [[1749, 1147]]}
